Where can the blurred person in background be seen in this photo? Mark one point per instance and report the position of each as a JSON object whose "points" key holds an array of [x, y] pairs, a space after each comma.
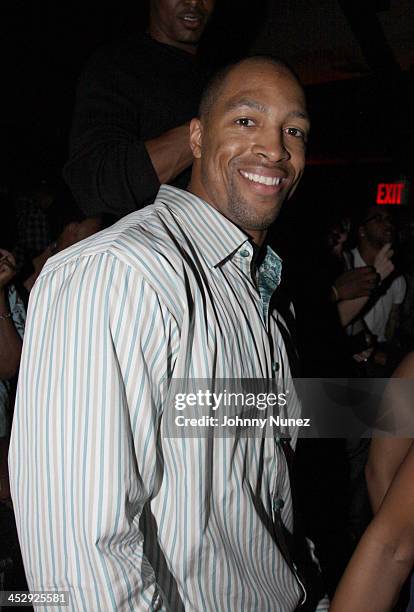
{"points": [[31, 205], [67, 225], [134, 102], [12, 323], [375, 232], [12, 320]]}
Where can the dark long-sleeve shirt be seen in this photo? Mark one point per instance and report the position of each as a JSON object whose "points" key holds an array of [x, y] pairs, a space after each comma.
{"points": [[129, 93]]}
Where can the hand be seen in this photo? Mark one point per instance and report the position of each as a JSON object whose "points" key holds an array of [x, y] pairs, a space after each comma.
{"points": [[363, 356], [382, 263], [370, 339], [7, 268], [380, 358], [356, 283]]}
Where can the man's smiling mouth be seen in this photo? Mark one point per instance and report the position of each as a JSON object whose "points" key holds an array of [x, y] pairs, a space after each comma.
{"points": [[271, 181], [192, 19]]}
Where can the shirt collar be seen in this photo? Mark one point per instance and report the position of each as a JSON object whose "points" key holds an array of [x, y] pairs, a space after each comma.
{"points": [[216, 237]]}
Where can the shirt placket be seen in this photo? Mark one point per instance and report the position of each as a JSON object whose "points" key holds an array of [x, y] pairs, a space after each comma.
{"points": [[263, 293], [243, 260]]}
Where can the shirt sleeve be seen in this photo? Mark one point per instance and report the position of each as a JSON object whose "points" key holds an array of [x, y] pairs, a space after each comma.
{"points": [[109, 169], [83, 460], [399, 288]]}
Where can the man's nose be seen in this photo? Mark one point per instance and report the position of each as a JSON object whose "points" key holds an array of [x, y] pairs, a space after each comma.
{"points": [[272, 146]]}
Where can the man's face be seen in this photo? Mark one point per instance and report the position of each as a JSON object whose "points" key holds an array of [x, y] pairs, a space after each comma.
{"points": [[378, 228], [179, 23], [337, 237], [250, 150]]}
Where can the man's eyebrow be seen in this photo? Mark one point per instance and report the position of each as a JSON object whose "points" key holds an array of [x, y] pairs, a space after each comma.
{"points": [[299, 115], [249, 102]]}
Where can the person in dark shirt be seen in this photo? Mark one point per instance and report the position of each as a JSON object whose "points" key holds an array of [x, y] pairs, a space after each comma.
{"points": [[135, 99]]}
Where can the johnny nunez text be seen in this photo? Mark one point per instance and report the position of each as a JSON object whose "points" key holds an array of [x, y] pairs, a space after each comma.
{"points": [[226, 421]]}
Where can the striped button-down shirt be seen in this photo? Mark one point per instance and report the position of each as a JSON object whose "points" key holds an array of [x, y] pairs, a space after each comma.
{"points": [[165, 293]]}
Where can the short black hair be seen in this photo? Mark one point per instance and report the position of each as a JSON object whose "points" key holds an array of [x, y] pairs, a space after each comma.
{"points": [[215, 84], [362, 213], [359, 219]]}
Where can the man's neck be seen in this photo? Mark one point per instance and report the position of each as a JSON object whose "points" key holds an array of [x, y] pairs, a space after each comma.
{"points": [[195, 187], [257, 236]]}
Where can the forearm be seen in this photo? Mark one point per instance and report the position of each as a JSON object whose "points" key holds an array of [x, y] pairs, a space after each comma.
{"points": [[170, 153], [373, 577], [386, 456], [385, 554], [10, 342], [349, 309]]}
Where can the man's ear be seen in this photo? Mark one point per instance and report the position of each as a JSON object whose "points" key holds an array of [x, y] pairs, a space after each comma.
{"points": [[196, 137]]}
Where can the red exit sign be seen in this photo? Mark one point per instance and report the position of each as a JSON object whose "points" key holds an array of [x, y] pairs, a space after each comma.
{"points": [[391, 193]]}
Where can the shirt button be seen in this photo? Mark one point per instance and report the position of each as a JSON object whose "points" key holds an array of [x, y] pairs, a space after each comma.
{"points": [[278, 504], [244, 253], [275, 366]]}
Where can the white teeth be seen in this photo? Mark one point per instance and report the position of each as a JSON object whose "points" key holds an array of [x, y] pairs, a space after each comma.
{"points": [[264, 180]]}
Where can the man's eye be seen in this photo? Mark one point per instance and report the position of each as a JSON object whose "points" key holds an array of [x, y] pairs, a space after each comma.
{"points": [[245, 122], [296, 133]]}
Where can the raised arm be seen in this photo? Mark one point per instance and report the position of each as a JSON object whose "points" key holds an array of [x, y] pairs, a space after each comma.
{"points": [[112, 167]]}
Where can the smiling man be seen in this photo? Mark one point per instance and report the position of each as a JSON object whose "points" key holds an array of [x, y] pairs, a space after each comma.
{"points": [[174, 291]]}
